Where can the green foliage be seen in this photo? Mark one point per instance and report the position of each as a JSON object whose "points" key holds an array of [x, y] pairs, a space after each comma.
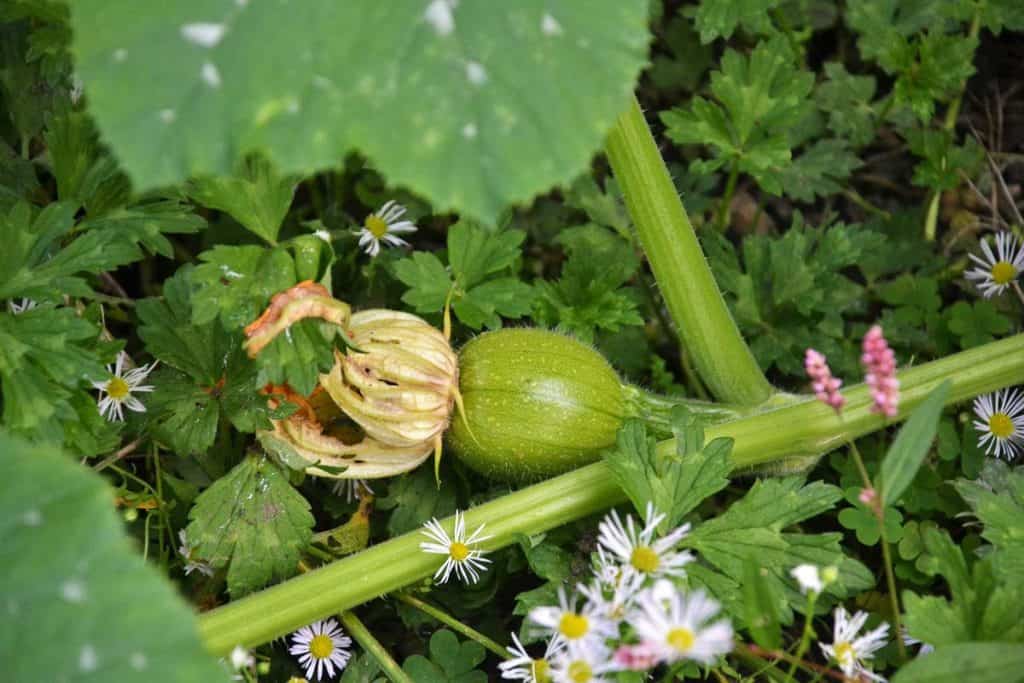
{"points": [[997, 500], [719, 18], [977, 662], [69, 568], [789, 292], [414, 499], [758, 97], [252, 523], [480, 282], [942, 162], [847, 99], [911, 446], [258, 197], [450, 661], [590, 294], [247, 86]]}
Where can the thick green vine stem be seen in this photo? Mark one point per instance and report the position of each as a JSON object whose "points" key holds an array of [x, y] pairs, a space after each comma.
{"points": [[807, 428], [705, 326]]}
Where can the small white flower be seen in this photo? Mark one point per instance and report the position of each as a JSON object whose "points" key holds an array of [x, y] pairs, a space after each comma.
{"points": [[19, 307], [678, 624], [911, 640], [566, 622], [638, 550], [584, 661], [192, 564], [119, 389], [241, 658], [997, 271], [848, 650], [322, 234], [522, 667], [1001, 423], [352, 488], [809, 578], [319, 646], [466, 561], [383, 225], [613, 601]]}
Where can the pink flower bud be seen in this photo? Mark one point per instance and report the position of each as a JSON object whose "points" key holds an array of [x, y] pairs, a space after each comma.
{"points": [[826, 387], [867, 496], [879, 363], [638, 657]]}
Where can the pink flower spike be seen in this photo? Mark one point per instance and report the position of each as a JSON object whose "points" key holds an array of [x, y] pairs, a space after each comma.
{"points": [[826, 387], [879, 363], [867, 496]]}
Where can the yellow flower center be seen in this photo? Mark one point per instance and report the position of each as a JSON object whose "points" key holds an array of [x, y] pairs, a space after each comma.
{"points": [[1003, 273], [644, 559], [321, 646], [681, 639], [377, 226], [458, 551], [573, 626], [579, 672], [844, 652], [540, 671], [1000, 425], [118, 388]]}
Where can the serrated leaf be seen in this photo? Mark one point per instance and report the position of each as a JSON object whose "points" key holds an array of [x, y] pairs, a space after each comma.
{"points": [[975, 662], [236, 283], [819, 171], [68, 568], [474, 253], [847, 98], [258, 197], [299, 356], [427, 279], [246, 86], [252, 523], [720, 18], [911, 446], [415, 498]]}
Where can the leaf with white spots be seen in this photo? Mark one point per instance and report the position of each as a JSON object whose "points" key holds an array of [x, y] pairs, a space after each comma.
{"points": [[475, 105], [78, 602]]}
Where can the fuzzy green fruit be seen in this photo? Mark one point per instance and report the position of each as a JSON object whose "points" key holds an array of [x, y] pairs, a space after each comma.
{"points": [[537, 402]]}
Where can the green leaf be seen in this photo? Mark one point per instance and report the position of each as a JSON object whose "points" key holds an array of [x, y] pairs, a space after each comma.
{"points": [[257, 196], [69, 570], [761, 604], [362, 669], [481, 290], [975, 662], [236, 283], [450, 661], [847, 100], [186, 416], [414, 498], [1001, 509], [674, 484], [307, 84], [942, 161], [298, 357], [547, 560], [819, 171], [253, 523], [719, 18], [975, 323], [911, 446]]}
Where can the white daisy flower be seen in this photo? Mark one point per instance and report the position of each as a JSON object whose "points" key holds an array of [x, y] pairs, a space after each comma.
{"points": [[678, 624], [192, 564], [383, 225], [638, 550], [119, 388], [1001, 423], [568, 623], [353, 489], [19, 307], [997, 271], [848, 650], [321, 646], [583, 661], [607, 570], [466, 561], [522, 667], [614, 600], [808, 578], [241, 658]]}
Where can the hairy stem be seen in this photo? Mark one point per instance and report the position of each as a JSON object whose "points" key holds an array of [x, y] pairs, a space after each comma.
{"points": [[802, 429], [705, 326]]}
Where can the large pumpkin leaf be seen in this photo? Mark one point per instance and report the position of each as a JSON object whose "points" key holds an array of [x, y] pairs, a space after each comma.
{"points": [[79, 603], [475, 104]]}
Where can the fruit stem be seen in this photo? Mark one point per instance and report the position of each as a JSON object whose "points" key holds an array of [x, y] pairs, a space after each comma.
{"points": [[702, 319], [807, 428]]}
